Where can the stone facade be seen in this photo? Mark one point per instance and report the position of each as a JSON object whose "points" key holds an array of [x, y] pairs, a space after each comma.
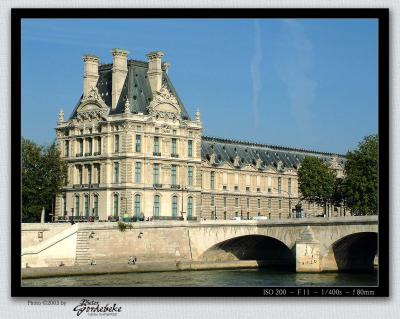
{"points": [[133, 151]]}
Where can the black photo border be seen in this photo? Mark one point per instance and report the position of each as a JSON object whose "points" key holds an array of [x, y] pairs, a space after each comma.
{"points": [[382, 15]]}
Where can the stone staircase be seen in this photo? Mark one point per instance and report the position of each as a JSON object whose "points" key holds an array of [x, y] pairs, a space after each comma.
{"points": [[82, 247]]}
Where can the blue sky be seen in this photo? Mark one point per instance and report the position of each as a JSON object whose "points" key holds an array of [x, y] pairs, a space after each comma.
{"points": [[305, 83]]}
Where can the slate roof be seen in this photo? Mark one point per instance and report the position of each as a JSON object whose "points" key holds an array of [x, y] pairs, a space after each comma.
{"points": [[226, 150], [136, 88]]}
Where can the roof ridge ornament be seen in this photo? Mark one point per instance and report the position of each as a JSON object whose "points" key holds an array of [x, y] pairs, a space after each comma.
{"points": [[164, 95], [93, 94], [61, 116], [127, 106], [197, 117]]}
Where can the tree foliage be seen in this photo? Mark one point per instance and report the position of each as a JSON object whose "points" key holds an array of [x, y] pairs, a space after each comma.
{"points": [[316, 181], [361, 181], [44, 174]]}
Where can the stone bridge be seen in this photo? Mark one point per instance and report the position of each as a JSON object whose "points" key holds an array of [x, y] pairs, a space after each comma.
{"points": [[322, 244], [306, 244]]}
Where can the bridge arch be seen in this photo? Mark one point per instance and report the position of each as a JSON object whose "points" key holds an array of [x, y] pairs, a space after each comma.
{"points": [[353, 252], [267, 251]]}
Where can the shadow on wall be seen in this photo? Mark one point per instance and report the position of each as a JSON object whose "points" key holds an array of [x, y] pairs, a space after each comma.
{"points": [[356, 252], [267, 251]]}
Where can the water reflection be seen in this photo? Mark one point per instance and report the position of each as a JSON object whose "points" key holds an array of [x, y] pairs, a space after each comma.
{"points": [[214, 278]]}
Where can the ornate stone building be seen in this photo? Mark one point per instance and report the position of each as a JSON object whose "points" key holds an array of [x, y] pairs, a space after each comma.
{"points": [[133, 151]]}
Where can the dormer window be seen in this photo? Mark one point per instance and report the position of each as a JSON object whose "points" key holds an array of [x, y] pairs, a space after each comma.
{"points": [[213, 160], [236, 161]]}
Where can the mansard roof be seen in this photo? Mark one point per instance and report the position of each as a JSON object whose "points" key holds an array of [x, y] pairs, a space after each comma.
{"points": [[136, 88], [249, 153]]}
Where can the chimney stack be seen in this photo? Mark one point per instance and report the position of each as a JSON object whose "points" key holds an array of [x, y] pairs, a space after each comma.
{"points": [[90, 72], [119, 72], [154, 72]]}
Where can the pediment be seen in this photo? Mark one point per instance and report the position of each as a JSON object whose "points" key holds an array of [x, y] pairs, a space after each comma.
{"points": [[92, 107], [164, 105], [249, 167], [226, 165]]}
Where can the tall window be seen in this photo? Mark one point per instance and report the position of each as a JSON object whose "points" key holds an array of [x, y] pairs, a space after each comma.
{"points": [[156, 144], [156, 206], [279, 184], [190, 148], [116, 172], [66, 148], [236, 202], [280, 204], [290, 185], [248, 202], [86, 205], [138, 172], [98, 173], [89, 172], [173, 174], [224, 201], [155, 173], [190, 207], [80, 147], [173, 146], [116, 143], [115, 205], [137, 206], [190, 175], [96, 205], [99, 144], [212, 180], [258, 203], [76, 205], [269, 203], [80, 175], [212, 201], [138, 144], [90, 142], [174, 206]]}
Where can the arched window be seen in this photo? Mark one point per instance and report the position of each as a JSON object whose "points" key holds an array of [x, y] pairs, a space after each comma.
{"points": [[156, 206], [174, 206], [76, 205], [96, 205], [115, 205], [137, 206], [190, 207]]}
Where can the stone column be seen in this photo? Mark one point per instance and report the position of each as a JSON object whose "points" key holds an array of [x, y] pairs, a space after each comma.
{"points": [[307, 252]]}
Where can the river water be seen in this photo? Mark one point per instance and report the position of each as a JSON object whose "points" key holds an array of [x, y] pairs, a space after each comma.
{"points": [[236, 277]]}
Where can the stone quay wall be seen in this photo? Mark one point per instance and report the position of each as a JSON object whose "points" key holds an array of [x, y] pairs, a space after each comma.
{"points": [[185, 241]]}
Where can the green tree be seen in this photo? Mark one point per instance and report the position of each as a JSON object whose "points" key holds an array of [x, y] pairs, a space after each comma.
{"points": [[44, 174], [361, 177], [316, 181]]}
